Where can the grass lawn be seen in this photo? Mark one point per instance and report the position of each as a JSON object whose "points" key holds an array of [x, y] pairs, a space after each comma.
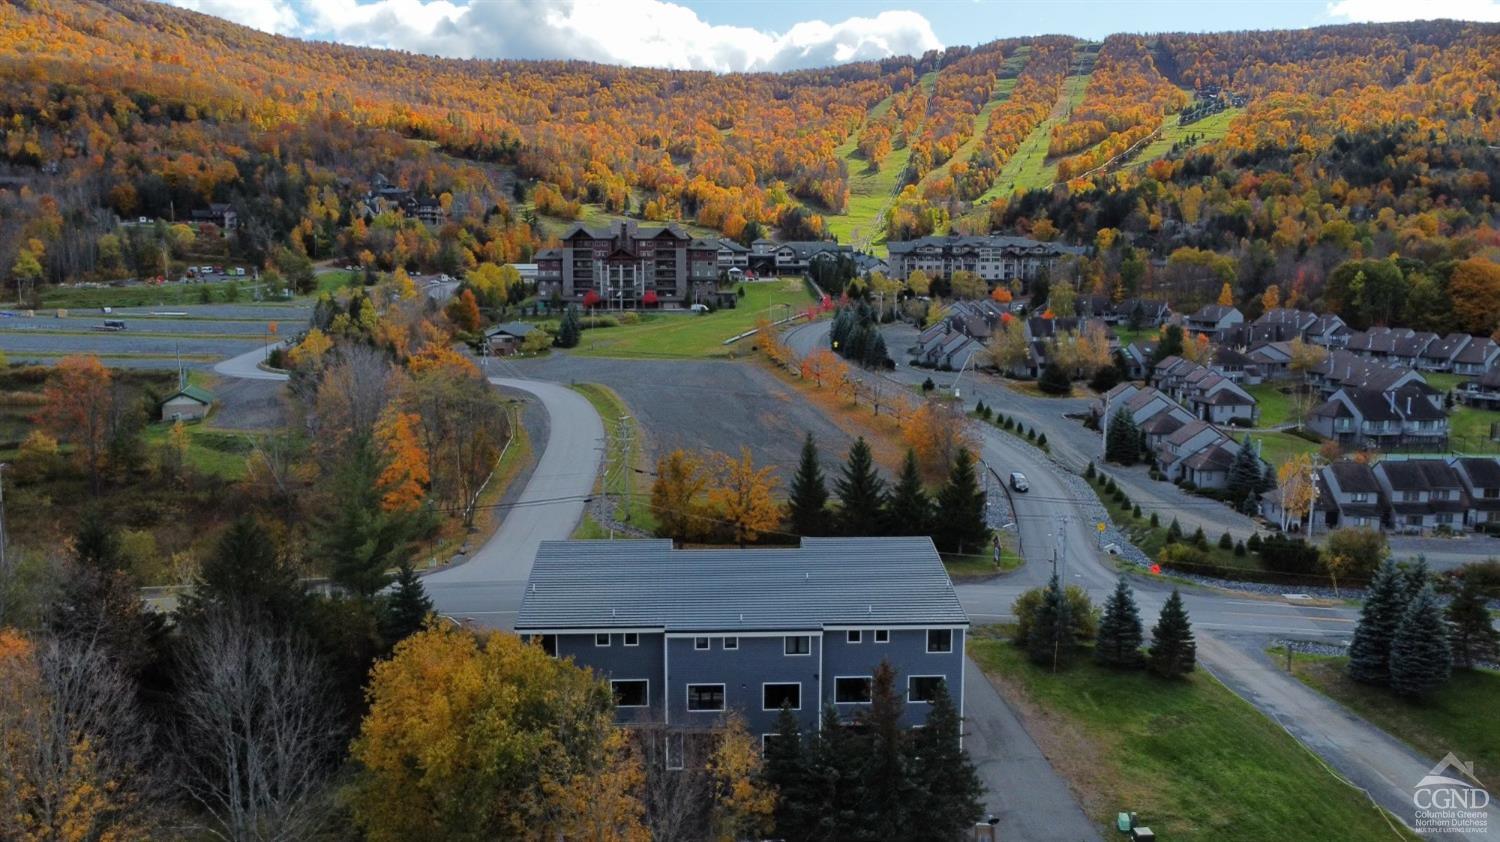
{"points": [[84, 298], [1208, 130], [218, 453], [1445, 381], [692, 335], [983, 565], [1451, 720], [619, 476], [1275, 405], [1192, 758], [1128, 336], [337, 280], [1469, 429], [1279, 447]]}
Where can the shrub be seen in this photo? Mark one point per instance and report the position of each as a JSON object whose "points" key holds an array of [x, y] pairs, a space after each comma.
{"points": [[1136, 511], [1155, 521], [1226, 542], [1183, 556], [1041, 441], [1253, 545], [1239, 549], [1289, 555], [1199, 539], [1089, 474], [928, 385]]}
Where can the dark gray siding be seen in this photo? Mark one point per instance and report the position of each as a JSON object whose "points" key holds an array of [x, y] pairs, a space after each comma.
{"points": [[907, 654], [620, 661], [742, 671]]}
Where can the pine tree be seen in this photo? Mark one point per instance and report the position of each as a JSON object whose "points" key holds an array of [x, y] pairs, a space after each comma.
{"points": [[245, 574], [1244, 478], [958, 521], [909, 510], [1174, 653], [861, 493], [834, 780], [1174, 532], [1421, 660], [570, 332], [1054, 380], [948, 789], [1050, 640], [405, 609], [1416, 577], [1200, 540], [359, 539], [1470, 630], [887, 792], [786, 769], [1385, 605], [1120, 636], [1122, 441], [807, 500]]}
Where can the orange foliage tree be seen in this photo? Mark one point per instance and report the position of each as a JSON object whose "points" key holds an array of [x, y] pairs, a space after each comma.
{"points": [[76, 404]]}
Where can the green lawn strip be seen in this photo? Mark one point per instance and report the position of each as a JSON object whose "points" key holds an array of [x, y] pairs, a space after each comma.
{"points": [[1128, 336], [1469, 429], [1194, 760], [1279, 447], [1445, 381], [1029, 168], [337, 280], [83, 298], [619, 470], [1275, 405], [1451, 719], [219, 453], [693, 335], [1209, 129]]}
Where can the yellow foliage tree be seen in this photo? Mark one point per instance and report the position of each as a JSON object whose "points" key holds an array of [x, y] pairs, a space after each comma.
{"points": [[1294, 482], [742, 497], [1271, 298], [309, 353], [490, 738], [403, 479], [743, 804], [1226, 295], [675, 496]]}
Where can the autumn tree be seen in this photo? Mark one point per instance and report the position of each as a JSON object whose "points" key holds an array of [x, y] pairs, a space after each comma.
{"points": [[1305, 356], [936, 430], [741, 497], [1008, 348], [490, 738], [403, 479], [1474, 288], [1226, 295], [676, 496], [1296, 488], [823, 366], [1271, 298], [77, 403], [463, 311]]}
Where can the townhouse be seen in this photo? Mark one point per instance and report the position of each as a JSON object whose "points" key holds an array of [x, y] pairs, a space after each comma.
{"points": [[1209, 395], [1310, 327], [1198, 453], [1141, 312], [685, 637], [1477, 357], [1423, 494], [1213, 320], [1407, 417], [1481, 481], [995, 258]]}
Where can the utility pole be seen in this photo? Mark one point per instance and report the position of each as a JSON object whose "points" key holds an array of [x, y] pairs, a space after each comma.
{"points": [[625, 467]]}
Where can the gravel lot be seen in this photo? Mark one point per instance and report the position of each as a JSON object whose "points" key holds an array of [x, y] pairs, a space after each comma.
{"points": [[717, 405], [249, 404]]}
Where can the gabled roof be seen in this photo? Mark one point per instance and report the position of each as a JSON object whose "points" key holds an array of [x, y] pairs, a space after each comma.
{"points": [[197, 393], [1482, 472], [1212, 313], [1418, 474], [516, 329], [826, 581], [1354, 476]]}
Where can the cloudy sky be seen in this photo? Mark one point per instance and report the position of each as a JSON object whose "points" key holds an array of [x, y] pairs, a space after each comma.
{"points": [[727, 35]]}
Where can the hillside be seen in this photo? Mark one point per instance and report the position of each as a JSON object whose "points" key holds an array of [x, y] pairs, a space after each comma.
{"points": [[140, 109]]}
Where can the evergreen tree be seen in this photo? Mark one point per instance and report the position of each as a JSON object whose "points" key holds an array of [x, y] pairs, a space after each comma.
{"points": [[1050, 640], [1244, 478], [861, 493], [1385, 605], [1122, 441], [958, 523], [246, 574], [1421, 660], [948, 790], [807, 500], [1174, 532], [1268, 479], [360, 540], [1174, 653], [786, 769], [1120, 636], [571, 331], [887, 792], [834, 780], [1417, 577], [1170, 344], [406, 609], [1054, 380], [909, 510], [1471, 632]]}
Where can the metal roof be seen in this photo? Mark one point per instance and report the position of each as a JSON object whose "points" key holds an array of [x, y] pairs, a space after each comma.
{"points": [[826, 581]]}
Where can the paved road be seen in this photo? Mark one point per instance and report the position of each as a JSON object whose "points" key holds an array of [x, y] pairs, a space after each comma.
{"points": [[548, 508], [246, 366]]}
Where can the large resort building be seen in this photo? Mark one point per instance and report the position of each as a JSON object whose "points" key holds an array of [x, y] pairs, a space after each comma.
{"points": [[994, 258], [626, 267]]}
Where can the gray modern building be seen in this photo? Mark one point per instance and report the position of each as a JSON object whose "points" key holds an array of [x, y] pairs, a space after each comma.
{"points": [[685, 636]]}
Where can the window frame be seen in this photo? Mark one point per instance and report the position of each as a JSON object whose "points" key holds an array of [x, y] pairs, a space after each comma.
{"points": [[911, 697], [869, 683], [688, 697], [945, 651], [706, 641], [628, 637], [645, 681], [767, 684], [883, 633], [731, 643], [606, 637], [854, 636], [786, 642]]}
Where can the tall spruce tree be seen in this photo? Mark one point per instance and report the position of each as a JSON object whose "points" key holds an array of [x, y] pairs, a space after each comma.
{"points": [[1120, 636], [786, 769], [861, 493], [834, 780], [807, 499], [948, 790], [1174, 652], [360, 540], [887, 792], [1049, 642], [1244, 478], [1385, 605], [1123, 439], [1421, 660], [245, 574], [958, 519], [406, 608], [1471, 632], [570, 333], [1417, 576], [909, 510]]}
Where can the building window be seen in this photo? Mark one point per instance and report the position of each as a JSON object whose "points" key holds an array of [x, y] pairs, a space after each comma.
{"points": [[939, 640], [631, 692], [922, 688], [851, 691], [731, 643], [705, 697], [700, 643], [1491, 493], [1445, 518], [632, 639], [674, 743], [854, 636], [800, 644], [1361, 497], [775, 696], [601, 640], [548, 642], [1411, 496], [882, 635]]}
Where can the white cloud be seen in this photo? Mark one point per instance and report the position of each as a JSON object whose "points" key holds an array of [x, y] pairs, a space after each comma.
{"points": [[266, 15], [631, 32], [1391, 11]]}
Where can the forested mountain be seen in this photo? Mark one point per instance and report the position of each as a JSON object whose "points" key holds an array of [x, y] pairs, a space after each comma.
{"points": [[1353, 141]]}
